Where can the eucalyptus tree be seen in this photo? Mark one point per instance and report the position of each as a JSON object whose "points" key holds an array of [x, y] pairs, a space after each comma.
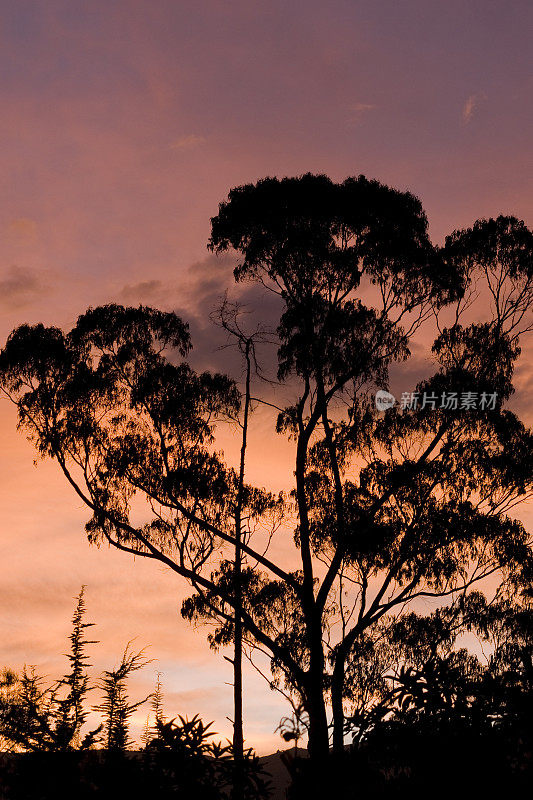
{"points": [[123, 420], [415, 502], [389, 507]]}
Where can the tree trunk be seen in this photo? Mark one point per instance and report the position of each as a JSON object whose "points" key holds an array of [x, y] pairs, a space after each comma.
{"points": [[316, 706], [337, 691], [318, 778], [238, 736], [318, 729]]}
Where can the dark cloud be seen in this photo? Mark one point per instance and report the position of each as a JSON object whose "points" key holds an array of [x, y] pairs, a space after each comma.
{"points": [[520, 401], [207, 280], [138, 292], [207, 283], [19, 286], [404, 376]]}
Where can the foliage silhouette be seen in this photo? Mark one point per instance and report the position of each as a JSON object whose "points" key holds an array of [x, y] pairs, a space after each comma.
{"points": [[37, 717], [179, 758], [156, 714], [33, 717], [189, 762], [73, 709], [115, 705]]}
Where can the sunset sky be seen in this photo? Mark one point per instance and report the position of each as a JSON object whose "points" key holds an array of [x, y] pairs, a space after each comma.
{"points": [[123, 124]]}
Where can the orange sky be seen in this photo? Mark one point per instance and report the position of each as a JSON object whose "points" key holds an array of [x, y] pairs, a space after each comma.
{"points": [[123, 125]]}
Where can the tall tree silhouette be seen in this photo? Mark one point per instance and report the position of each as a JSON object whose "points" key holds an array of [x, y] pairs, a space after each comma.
{"points": [[390, 506], [228, 318], [203, 605]]}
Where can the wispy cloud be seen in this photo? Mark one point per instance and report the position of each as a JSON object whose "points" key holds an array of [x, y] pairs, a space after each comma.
{"points": [[357, 112], [471, 106], [187, 142], [359, 108], [22, 228]]}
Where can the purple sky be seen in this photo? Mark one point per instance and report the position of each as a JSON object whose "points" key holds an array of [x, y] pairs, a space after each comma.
{"points": [[123, 125]]}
